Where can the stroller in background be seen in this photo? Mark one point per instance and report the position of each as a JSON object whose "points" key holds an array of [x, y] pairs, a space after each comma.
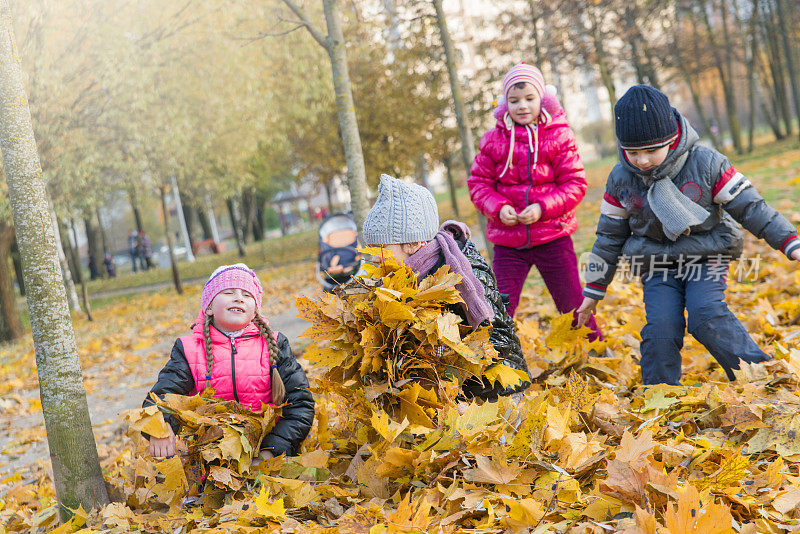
{"points": [[338, 260]]}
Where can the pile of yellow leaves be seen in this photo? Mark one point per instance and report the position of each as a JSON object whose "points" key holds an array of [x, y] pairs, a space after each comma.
{"points": [[394, 342], [221, 440], [587, 450]]}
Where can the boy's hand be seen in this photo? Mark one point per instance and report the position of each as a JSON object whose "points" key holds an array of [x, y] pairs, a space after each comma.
{"points": [[796, 254], [508, 215], [586, 309], [266, 455], [160, 447], [531, 214]]}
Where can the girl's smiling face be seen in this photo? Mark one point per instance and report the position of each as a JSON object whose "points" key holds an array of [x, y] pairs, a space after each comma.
{"points": [[232, 309], [524, 104]]}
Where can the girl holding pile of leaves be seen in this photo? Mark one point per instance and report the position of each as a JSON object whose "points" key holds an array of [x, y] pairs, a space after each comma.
{"points": [[405, 221], [233, 350]]}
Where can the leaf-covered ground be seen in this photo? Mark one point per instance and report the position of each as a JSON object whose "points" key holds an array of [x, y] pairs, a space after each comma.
{"points": [[587, 450]]}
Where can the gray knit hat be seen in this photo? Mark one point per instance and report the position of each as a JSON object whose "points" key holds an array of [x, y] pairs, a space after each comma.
{"points": [[402, 213]]}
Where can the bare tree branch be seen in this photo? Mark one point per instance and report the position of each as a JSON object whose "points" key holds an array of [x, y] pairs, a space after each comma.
{"points": [[315, 33], [251, 40]]}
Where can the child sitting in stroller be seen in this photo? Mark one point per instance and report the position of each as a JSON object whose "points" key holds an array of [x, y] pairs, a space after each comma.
{"points": [[338, 260]]}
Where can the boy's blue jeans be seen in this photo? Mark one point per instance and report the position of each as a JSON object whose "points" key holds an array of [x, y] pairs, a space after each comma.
{"points": [[702, 294]]}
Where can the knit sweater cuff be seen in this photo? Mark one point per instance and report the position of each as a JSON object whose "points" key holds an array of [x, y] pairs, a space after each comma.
{"points": [[594, 291], [790, 245]]}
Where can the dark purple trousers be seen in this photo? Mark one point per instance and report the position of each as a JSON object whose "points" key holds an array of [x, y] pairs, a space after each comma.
{"points": [[558, 265]]}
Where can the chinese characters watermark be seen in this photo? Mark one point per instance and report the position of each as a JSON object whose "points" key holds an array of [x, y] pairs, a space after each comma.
{"points": [[686, 267]]}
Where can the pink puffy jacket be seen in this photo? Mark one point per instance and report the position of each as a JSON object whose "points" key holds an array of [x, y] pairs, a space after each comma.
{"points": [[549, 172], [242, 367]]}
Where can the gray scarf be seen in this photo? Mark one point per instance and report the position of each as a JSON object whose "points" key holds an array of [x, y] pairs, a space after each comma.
{"points": [[676, 212]]}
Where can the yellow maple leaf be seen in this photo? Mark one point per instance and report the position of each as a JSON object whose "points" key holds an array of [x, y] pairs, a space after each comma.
{"points": [[695, 514], [582, 399], [148, 420], [730, 473], [563, 334], [507, 376], [492, 471], [272, 510]]}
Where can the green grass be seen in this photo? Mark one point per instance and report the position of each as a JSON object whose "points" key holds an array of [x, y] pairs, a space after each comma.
{"points": [[292, 248]]}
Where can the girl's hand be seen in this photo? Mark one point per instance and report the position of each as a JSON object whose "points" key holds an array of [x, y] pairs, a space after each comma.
{"points": [[160, 447], [586, 309], [796, 254], [531, 214], [508, 215], [266, 455]]}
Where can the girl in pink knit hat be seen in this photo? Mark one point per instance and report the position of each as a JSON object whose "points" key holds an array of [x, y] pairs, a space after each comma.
{"points": [[528, 179], [233, 350]]}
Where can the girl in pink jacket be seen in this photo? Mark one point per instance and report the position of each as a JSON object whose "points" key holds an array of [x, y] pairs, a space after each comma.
{"points": [[233, 350], [528, 179]]}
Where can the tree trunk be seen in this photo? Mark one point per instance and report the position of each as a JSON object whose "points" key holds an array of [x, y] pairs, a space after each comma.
{"points": [[602, 61], [176, 277], [17, 267], [537, 49], [776, 66], [769, 102], [10, 323], [334, 44], [247, 204], [787, 52], [467, 144], [184, 230], [730, 98], [688, 76], [94, 247], [328, 193], [189, 214], [235, 224], [102, 232], [448, 167], [751, 75], [258, 216], [204, 224], [72, 296], [77, 475], [137, 217], [356, 173], [727, 83], [76, 261]]}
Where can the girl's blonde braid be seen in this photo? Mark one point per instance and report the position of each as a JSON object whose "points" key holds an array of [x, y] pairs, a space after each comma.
{"points": [[207, 343], [277, 385]]}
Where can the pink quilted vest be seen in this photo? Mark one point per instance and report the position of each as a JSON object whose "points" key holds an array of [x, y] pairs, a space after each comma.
{"points": [[241, 369]]}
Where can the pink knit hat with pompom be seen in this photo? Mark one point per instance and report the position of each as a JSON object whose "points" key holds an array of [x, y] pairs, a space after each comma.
{"points": [[523, 73], [236, 276]]}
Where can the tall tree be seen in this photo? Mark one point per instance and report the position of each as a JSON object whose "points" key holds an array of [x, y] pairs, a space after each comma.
{"points": [[334, 44], [464, 130], [788, 54], [76, 469]]}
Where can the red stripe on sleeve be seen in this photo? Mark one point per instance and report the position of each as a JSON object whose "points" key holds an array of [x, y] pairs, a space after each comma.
{"points": [[783, 247], [613, 201], [724, 178]]}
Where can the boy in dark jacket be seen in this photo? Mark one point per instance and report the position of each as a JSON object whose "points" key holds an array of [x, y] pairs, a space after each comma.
{"points": [[671, 208], [405, 220]]}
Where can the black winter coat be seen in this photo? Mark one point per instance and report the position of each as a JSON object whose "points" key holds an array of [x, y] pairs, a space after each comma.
{"points": [[297, 415], [503, 333]]}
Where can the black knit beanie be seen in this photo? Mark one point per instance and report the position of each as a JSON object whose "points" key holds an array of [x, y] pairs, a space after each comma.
{"points": [[644, 119]]}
